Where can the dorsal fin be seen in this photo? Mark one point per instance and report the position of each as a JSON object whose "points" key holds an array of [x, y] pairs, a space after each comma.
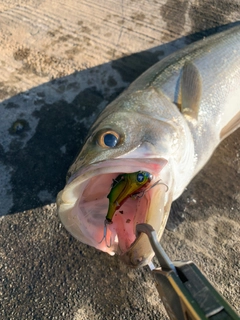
{"points": [[190, 90]]}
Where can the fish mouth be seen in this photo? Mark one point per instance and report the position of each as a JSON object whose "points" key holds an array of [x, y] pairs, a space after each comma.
{"points": [[83, 205]]}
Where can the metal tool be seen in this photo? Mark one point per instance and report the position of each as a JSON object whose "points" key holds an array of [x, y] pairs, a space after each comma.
{"points": [[183, 289]]}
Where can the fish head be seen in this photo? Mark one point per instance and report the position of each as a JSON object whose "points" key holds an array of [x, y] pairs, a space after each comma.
{"points": [[123, 140]]}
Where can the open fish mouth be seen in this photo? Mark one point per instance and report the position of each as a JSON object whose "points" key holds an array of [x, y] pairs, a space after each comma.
{"points": [[83, 205]]}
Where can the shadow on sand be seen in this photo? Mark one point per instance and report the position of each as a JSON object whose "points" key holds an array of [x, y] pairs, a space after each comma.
{"points": [[44, 128]]}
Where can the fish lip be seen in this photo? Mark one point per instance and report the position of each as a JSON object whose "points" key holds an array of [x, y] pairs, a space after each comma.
{"points": [[140, 253], [117, 162], [108, 166]]}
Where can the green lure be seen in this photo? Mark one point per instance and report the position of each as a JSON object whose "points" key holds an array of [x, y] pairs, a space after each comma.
{"points": [[123, 187]]}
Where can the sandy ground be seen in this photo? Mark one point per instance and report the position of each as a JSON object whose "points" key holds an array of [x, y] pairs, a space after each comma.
{"points": [[61, 63]]}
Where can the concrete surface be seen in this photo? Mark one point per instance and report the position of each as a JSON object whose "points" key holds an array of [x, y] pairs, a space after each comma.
{"points": [[61, 63]]}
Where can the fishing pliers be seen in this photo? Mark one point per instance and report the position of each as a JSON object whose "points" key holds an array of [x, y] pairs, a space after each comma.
{"points": [[183, 289]]}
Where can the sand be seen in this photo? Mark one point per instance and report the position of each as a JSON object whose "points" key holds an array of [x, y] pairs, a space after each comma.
{"points": [[61, 63]]}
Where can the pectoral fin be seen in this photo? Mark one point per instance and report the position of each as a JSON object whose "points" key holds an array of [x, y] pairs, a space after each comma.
{"points": [[231, 126], [190, 90]]}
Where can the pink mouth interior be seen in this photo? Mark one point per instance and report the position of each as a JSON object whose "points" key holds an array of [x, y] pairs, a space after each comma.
{"points": [[93, 206]]}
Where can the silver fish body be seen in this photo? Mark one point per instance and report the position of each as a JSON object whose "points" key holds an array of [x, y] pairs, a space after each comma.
{"points": [[168, 123]]}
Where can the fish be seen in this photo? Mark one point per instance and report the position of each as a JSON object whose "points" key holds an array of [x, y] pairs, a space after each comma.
{"points": [[168, 123]]}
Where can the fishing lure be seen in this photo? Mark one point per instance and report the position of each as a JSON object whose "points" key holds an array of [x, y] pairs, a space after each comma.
{"points": [[124, 186]]}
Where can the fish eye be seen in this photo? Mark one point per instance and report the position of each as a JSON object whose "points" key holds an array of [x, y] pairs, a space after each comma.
{"points": [[109, 139], [140, 177]]}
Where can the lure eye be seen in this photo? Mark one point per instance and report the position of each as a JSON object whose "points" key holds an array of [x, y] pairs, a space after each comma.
{"points": [[140, 177], [109, 139]]}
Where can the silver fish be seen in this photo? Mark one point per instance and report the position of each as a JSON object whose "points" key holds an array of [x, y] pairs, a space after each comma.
{"points": [[168, 123]]}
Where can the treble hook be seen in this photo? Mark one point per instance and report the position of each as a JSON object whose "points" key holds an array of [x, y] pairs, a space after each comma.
{"points": [[159, 182], [141, 194], [106, 222]]}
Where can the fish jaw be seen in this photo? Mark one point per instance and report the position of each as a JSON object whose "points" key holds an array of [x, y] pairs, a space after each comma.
{"points": [[140, 252], [83, 204]]}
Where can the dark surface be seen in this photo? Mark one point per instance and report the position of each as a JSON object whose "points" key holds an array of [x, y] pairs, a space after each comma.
{"points": [[46, 274]]}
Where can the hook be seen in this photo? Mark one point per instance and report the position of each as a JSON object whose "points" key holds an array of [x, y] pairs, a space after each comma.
{"points": [[142, 193], [106, 222], [159, 182]]}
